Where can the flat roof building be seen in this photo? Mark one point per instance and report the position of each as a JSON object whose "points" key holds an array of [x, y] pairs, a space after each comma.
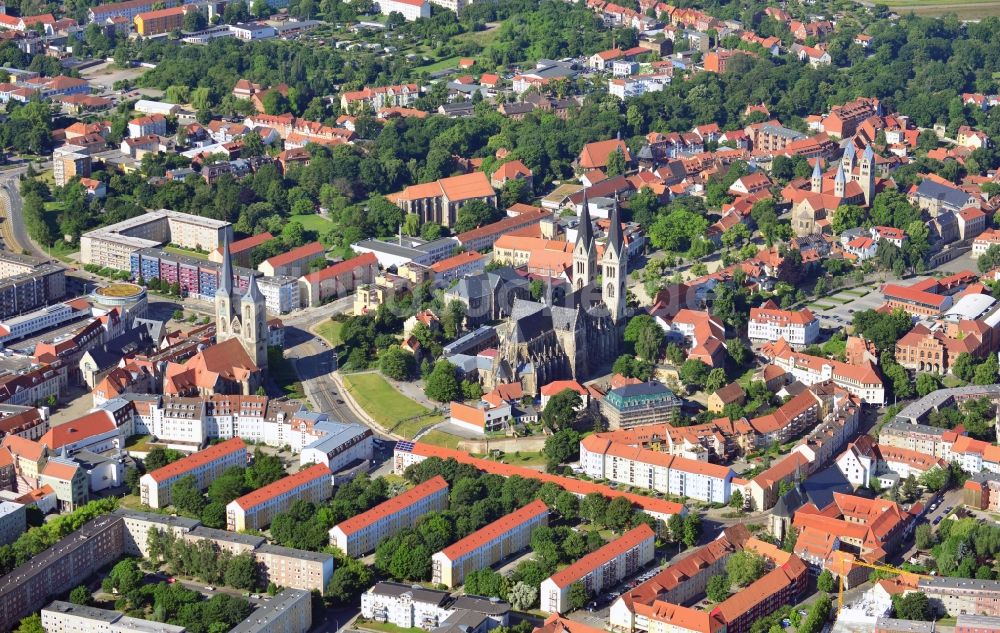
{"points": [[288, 612]]}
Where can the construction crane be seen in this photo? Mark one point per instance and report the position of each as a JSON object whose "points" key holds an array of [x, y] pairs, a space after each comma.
{"points": [[861, 563]]}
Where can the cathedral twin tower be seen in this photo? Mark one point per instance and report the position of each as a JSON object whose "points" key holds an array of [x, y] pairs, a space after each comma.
{"points": [[613, 262], [244, 319]]}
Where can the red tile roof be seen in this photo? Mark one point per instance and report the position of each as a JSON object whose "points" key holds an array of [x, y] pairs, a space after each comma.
{"points": [[311, 250], [286, 484], [348, 265], [394, 505], [247, 243], [495, 530], [80, 429], [189, 463], [576, 486], [593, 560]]}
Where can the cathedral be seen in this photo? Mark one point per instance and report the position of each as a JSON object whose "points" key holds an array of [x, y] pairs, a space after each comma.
{"points": [[541, 342], [243, 318], [813, 208]]}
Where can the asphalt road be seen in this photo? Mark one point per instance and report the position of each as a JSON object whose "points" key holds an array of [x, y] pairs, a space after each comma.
{"points": [[15, 235]]}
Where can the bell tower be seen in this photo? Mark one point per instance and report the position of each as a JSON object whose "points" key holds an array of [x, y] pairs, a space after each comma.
{"points": [[254, 335], [817, 176], [615, 269], [224, 296], [585, 251]]}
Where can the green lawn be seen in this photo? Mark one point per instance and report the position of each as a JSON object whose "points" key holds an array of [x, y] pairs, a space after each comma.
{"points": [[387, 406], [440, 438], [525, 458], [140, 443], [451, 62], [312, 223], [951, 381], [820, 306], [384, 627], [857, 292], [330, 330], [184, 251]]}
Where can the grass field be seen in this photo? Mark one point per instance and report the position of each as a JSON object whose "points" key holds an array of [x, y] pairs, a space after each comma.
{"points": [[387, 406], [440, 438], [857, 292], [183, 251], [312, 223], [965, 9], [820, 306], [330, 330], [451, 62]]}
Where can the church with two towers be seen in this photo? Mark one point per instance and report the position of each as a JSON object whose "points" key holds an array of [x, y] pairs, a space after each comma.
{"points": [[541, 342]]}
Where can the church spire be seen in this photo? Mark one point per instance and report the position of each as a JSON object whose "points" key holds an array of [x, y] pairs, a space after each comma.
{"points": [[584, 253], [615, 238], [226, 280], [585, 233], [253, 293]]}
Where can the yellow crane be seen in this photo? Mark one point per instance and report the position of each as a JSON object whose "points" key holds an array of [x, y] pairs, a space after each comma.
{"points": [[861, 563]]}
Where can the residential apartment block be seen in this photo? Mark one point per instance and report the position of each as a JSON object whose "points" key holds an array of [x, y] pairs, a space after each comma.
{"points": [[66, 617], [256, 510], [380, 97], [294, 263], [28, 283], [362, 533], [405, 606], [598, 570], [636, 405], [861, 380], [290, 611], [408, 453], [13, 521], [488, 545], [287, 567], [112, 246], [207, 465], [956, 596], [769, 323], [602, 458], [412, 606], [655, 605]]}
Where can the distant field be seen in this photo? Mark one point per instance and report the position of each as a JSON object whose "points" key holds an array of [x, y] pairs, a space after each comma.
{"points": [[387, 406], [312, 223], [965, 9], [444, 64]]}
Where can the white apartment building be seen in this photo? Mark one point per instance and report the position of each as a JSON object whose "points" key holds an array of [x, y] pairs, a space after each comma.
{"points": [[769, 323], [655, 470], [112, 246], [343, 445], [42, 319], [859, 380], [362, 533], [187, 423], [481, 417], [295, 568], [149, 124], [606, 567], [410, 9], [638, 85], [281, 294], [256, 510], [13, 521], [66, 617], [288, 612], [406, 606], [155, 487], [488, 545]]}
